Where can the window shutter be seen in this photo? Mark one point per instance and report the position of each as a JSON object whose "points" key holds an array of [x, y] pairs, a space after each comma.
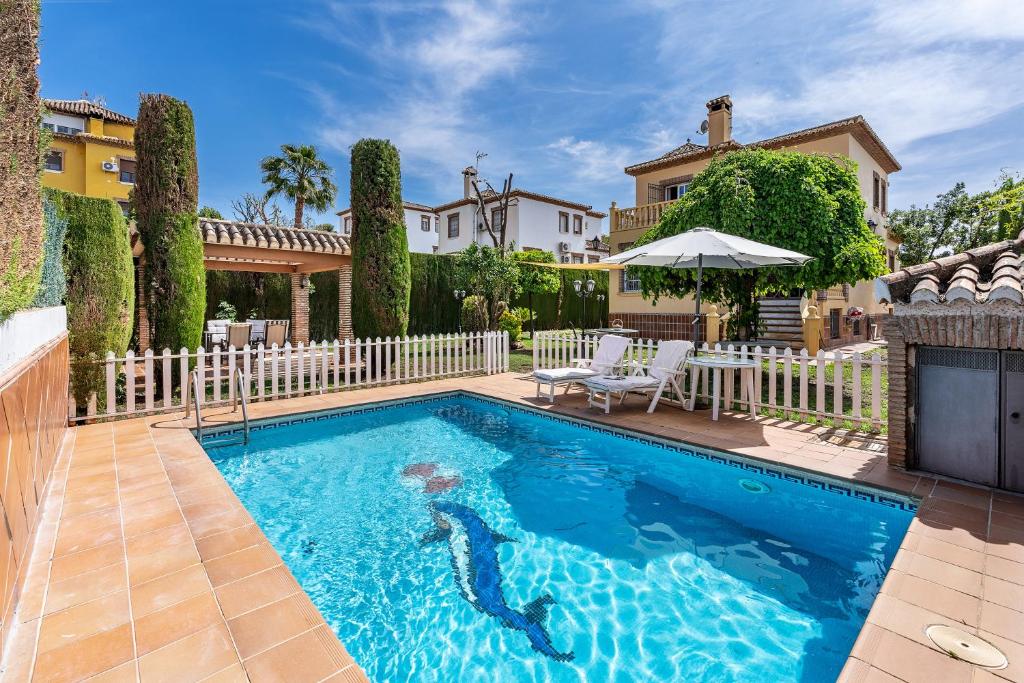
{"points": [[654, 193]]}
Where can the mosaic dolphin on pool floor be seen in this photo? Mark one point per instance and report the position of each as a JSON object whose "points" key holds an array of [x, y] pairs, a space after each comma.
{"points": [[432, 483], [473, 548]]}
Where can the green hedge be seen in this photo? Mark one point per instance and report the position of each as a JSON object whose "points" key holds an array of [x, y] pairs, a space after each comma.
{"points": [[380, 245], [100, 287], [165, 201], [53, 284], [433, 308]]}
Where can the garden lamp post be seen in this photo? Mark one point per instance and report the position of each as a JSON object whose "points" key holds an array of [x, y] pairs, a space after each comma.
{"points": [[460, 294], [583, 290]]}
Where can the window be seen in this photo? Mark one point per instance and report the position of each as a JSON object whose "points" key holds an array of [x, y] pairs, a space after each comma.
{"points": [[876, 191], [425, 223], [892, 260], [577, 258], [347, 229], [437, 224], [68, 130], [126, 208], [127, 170], [49, 126], [453, 226], [563, 222], [577, 225], [627, 284], [593, 259], [54, 161], [496, 220], [674, 192]]}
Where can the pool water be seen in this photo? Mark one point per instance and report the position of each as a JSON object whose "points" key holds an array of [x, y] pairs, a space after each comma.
{"points": [[460, 539]]}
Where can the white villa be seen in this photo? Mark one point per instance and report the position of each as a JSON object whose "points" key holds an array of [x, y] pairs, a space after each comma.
{"points": [[571, 230]]}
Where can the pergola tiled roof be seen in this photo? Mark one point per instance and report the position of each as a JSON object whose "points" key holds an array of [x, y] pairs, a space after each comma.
{"points": [[989, 274], [234, 245]]}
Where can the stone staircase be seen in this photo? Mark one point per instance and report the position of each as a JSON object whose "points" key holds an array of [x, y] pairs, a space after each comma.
{"points": [[783, 325]]}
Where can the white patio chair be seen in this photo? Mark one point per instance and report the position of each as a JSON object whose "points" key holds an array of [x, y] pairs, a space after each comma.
{"points": [[217, 332], [607, 360], [666, 370]]}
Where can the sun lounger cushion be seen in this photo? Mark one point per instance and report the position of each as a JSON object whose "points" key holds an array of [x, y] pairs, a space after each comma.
{"points": [[621, 383], [563, 374]]}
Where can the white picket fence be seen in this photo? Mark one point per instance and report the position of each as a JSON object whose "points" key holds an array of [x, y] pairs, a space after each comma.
{"points": [[818, 398], [284, 372]]}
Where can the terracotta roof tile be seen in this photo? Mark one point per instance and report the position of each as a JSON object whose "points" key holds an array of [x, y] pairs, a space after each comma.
{"points": [[87, 108], [990, 273], [216, 231]]}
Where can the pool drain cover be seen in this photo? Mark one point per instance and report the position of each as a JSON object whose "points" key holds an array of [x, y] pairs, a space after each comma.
{"points": [[753, 486], [963, 645]]}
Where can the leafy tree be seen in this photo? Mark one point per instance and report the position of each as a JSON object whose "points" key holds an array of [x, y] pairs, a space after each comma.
{"points": [[21, 143], [101, 286], [958, 221], [324, 227], [165, 200], [210, 212], [491, 273], [808, 203], [380, 245], [536, 279], [302, 176]]}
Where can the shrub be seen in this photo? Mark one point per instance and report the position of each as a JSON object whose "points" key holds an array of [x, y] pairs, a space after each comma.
{"points": [[53, 284], [513, 324], [474, 314], [165, 200], [225, 311], [380, 246], [432, 304], [21, 207], [101, 292]]}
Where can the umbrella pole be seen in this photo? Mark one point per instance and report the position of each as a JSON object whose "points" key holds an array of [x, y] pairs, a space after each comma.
{"points": [[697, 339]]}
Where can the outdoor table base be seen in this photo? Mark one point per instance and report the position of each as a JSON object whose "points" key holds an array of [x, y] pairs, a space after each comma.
{"points": [[704, 364]]}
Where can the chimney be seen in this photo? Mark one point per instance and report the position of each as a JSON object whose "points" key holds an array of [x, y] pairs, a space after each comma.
{"points": [[468, 176], [719, 121]]}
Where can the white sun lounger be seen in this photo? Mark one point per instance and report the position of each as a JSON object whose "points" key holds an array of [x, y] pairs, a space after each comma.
{"points": [[666, 370], [607, 360]]}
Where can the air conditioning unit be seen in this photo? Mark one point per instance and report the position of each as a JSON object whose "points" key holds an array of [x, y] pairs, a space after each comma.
{"points": [[109, 166], [566, 259], [564, 246]]}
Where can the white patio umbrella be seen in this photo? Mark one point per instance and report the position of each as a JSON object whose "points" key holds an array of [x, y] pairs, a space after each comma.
{"points": [[702, 248]]}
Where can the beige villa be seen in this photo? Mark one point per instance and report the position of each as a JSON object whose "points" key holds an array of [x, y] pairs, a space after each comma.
{"points": [[661, 181]]}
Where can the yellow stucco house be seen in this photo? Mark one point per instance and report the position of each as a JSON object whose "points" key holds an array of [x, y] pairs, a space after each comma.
{"points": [[92, 152], [661, 181]]}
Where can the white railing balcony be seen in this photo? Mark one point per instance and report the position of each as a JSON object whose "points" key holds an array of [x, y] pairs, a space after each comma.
{"points": [[636, 217]]}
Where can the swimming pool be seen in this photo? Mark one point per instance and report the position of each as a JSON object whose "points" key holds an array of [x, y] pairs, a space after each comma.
{"points": [[454, 538]]}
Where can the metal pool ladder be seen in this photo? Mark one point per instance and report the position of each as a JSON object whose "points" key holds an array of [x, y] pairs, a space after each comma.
{"points": [[192, 395]]}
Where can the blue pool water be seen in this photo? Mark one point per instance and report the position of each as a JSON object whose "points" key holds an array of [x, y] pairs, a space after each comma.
{"points": [[458, 539]]}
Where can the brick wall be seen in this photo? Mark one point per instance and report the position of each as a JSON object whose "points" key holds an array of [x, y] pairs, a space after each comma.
{"points": [[345, 302], [300, 310], [992, 326], [658, 325]]}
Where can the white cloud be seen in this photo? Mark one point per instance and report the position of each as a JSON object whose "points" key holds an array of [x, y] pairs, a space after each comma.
{"points": [[590, 160]]}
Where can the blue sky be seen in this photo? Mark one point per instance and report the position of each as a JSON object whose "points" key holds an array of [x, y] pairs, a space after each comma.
{"points": [[563, 95]]}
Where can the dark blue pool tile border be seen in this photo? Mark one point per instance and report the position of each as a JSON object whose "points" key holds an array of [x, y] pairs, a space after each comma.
{"points": [[819, 482]]}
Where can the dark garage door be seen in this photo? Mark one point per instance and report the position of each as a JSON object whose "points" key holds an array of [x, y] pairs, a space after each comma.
{"points": [[958, 406]]}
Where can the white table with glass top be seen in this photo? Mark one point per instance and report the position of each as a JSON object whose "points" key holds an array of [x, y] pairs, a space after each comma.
{"points": [[715, 365]]}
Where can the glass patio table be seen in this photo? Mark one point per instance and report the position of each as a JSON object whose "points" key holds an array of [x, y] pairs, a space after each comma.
{"points": [[715, 365]]}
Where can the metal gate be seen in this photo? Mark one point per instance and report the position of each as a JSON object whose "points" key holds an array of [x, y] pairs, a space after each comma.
{"points": [[958, 413], [1013, 421]]}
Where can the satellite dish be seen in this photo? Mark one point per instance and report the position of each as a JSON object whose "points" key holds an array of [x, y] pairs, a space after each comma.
{"points": [[703, 128]]}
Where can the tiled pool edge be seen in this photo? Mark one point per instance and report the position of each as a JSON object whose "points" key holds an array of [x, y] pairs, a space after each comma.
{"points": [[748, 463], [945, 551]]}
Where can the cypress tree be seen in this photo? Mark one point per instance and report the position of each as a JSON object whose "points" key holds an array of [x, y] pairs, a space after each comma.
{"points": [[165, 201], [101, 293], [380, 246]]}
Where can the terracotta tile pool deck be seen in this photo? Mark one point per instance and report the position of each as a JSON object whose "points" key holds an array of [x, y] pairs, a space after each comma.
{"points": [[146, 566]]}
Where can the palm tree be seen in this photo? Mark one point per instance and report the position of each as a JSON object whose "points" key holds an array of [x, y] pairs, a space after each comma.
{"points": [[300, 175]]}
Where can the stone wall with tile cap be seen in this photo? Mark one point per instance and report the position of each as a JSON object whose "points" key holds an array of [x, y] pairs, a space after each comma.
{"points": [[33, 419]]}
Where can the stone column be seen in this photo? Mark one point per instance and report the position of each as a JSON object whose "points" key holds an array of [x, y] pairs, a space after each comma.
{"points": [[813, 331], [712, 327], [140, 305], [345, 302], [899, 393], [300, 309]]}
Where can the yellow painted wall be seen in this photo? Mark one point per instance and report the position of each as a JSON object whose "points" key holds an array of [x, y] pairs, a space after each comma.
{"points": [[862, 294], [83, 172]]}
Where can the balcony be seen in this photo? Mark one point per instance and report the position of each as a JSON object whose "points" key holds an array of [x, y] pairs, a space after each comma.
{"points": [[636, 217]]}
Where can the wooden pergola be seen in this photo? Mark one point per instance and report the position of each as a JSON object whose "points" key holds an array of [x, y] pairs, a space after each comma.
{"points": [[250, 247]]}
